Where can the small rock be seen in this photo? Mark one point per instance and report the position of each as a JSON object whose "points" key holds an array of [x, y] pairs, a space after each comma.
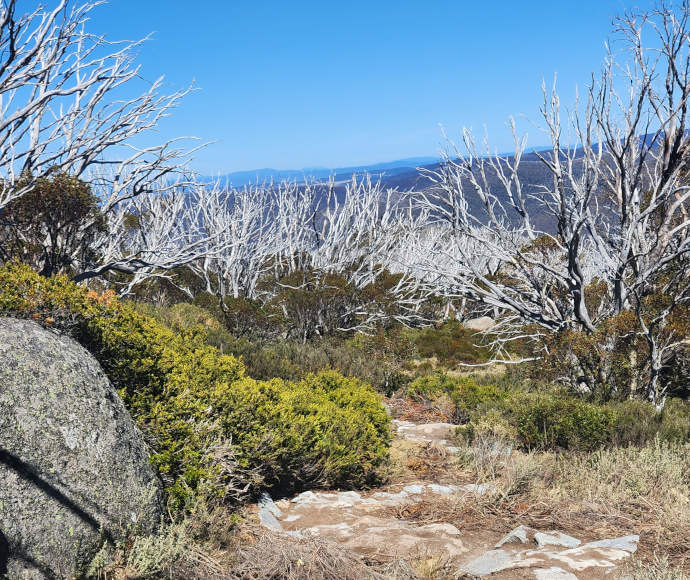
{"points": [[305, 497], [554, 573], [266, 502], [481, 323], [555, 539], [447, 529], [518, 536], [442, 489], [492, 561], [268, 512], [414, 489]]}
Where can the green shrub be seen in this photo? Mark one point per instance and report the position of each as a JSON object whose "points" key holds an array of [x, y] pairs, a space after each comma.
{"points": [[553, 419], [675, 421], [549, 422], [185, 318], [191, 400], [470, 396], [430, 387], [466, 393], [450, 343]]}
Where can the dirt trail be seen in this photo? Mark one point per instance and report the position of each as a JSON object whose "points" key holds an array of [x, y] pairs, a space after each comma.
{"points": [[369, 524]]}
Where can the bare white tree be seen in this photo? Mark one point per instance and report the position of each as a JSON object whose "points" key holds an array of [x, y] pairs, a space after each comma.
{"points": [[272, 239], [75, 103], [616, 210], [59, 109], [245, 236], [154, 232]]}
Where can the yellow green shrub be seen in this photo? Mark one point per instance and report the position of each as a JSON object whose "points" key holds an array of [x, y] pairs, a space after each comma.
{"points": [[190, 399], [465, 392]]}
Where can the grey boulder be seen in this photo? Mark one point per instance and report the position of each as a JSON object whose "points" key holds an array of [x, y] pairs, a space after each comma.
{"points": [[74, 469]]}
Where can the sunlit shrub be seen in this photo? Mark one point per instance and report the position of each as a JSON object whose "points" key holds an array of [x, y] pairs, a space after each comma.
{"points": [[190, 399]]}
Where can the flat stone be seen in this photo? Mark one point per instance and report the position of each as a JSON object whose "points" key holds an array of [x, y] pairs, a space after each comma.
{"points": [[488, 563], [554, 573], [448, 529], [414, 489], [625, 543], [442, 489], [348, 498], [268, 513], [480, 324], [266, 502], [305, 497], [555, 539], [518, 536], [426, 432]]}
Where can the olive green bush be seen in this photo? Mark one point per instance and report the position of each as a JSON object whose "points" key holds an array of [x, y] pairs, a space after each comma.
{"points": [[450, 343], [552, 418], [468, 395], [211, 427], [378, 359]]}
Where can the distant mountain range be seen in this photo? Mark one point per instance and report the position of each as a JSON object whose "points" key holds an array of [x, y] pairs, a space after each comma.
{"points": [[388, 169], [404, 175]]}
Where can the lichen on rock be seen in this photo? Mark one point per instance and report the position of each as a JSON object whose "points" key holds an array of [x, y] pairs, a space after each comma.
{"points": [[74, 468]]}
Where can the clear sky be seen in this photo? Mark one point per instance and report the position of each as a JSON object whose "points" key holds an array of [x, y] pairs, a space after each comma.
{"points": [[291, 84]]}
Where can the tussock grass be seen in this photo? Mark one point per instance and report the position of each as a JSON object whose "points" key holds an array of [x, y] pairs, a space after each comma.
{"points": [[606, 493], [656, 569]]}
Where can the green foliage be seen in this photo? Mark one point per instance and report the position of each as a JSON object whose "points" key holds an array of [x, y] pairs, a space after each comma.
{"points": [[192, 401], [465, 392], [450, 343], [325, 429], [185, 318], [430, 387], [51, 225], [551, 418], [549, 422]]}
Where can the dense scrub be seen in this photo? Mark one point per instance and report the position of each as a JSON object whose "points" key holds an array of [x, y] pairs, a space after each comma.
{"points": [[551, 418], [211, 427]]}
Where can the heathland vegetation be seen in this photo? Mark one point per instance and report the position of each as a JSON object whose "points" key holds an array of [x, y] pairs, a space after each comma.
{"points": [[262, 337]]}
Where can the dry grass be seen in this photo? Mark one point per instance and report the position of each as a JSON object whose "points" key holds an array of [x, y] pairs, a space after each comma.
{"points": [[441, 410], [279, 557], [276, 556], [609, 493], [655, 569], [413, 461]]}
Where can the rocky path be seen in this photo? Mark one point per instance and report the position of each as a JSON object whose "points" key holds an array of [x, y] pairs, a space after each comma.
{"points": [[367, 524]]}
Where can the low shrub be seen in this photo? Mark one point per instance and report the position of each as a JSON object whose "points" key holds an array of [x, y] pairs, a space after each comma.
{"points": [[192, 402], [450, 343], [468, 396], [552, 418], [185, 318], [549, 422], [430, 387]]}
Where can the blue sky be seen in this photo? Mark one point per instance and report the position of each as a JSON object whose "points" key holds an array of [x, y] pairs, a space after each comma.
{"points": [[301, 83]]}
